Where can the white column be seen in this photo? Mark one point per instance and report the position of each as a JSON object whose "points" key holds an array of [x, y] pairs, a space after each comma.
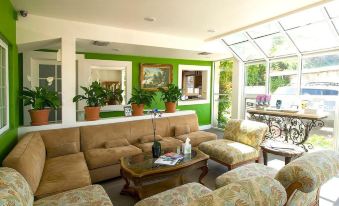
{"points": [[336, 127], [68, 75], [238, 106]]}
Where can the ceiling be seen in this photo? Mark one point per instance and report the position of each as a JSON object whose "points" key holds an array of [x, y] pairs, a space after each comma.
{"points": [[188, 18]]}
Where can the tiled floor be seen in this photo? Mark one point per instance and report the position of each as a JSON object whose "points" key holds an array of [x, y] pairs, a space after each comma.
{"points": [[329, 195]]}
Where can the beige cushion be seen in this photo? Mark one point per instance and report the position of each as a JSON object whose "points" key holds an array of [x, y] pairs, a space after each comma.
{"points": [[28, 158], [63, 173], [102, 157], [56, 139], [116, 143], [198, 137], [182, 129], [166, 143], [149, 138], [191, 120], [61, 150]]}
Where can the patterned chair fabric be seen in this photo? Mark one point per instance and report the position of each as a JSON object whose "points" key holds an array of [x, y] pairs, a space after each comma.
{"points": [[85, 196], [255, 191], [181, 195], [311, 170], [14, 189], [244, 172], [247, 132], [228, 151], [303, 199]]}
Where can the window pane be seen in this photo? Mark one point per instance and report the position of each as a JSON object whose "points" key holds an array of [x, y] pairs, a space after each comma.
{"points": [[3, 87], [336, 23], [264, 30], [276, 45], [302, 18], [58, 71], [333, 9], [314, 37], [255, 78], [235, 38], [46, 70], [247, 51], [284, 77]]}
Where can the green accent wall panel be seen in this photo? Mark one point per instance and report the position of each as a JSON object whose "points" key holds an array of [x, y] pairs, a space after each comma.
{"points": [[8, 34], [203, 110]]}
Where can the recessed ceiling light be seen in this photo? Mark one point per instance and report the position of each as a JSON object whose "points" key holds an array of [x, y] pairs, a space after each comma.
{"points": [[211, 30], [150, 19], [116, 50], [100, 43]]}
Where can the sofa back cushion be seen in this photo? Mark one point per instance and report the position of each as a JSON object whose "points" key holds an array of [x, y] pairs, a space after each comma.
{"points": [[245, 131], [143, 128], [28, 158], [96, 136], [14, 188], [59, 142], [310, 171], [191, 120], [252, 191]]}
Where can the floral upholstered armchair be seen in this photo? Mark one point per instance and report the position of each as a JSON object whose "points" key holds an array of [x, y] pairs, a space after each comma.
{"points": [[259, 191], [302, 178], [240, 145], [15, 191]]}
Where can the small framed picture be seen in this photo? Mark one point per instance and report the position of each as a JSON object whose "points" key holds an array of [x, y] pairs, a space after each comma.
{"points": [[128, 111]]}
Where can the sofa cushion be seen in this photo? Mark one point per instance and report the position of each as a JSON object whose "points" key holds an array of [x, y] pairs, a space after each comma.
{"points": [[166, 143], [63, 173], [55, 141], [61, 150], [191, 120], [149, 138], [228, 151], [102, 157], [96, 136], [181, 195], [14, 189], [247, 132], [198, 137], [28, 158], [89, 195], [181, 129], [116, 143], [244, 172]]}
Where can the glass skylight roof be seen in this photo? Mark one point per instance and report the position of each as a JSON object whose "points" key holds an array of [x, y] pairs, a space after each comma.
{"points": [[307, 31]]}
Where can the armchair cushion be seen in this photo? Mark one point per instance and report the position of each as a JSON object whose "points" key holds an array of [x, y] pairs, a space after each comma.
{"points": [[311, 170], [197, 137], [245, 131], [259, 191], [90, 195], [181, 195], [14, 189], [228, 151], [244, 172]]}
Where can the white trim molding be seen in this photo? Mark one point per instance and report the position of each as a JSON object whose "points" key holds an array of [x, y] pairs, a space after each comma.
{"points": [[6, 127], [206, 85]]}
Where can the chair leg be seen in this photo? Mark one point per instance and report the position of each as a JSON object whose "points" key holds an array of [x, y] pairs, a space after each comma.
{"points": [[257, 160]]}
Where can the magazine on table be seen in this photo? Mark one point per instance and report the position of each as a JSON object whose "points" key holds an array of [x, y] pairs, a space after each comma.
{"points": [[169, 159]]}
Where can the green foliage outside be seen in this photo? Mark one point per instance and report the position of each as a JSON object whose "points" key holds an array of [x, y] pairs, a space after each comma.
{"points": [[225, 91], [256, 75], [279, 81], [319, 141]]}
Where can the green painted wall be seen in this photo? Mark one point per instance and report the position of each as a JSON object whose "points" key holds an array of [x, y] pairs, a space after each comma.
{"points": [[203, 110], [8, 34]]}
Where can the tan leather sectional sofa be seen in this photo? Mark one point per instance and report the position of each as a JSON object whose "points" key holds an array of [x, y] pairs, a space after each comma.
{"points": [[58, 160]]}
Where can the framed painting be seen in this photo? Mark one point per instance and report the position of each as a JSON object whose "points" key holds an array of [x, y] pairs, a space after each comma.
{"points": [[153, 76]]}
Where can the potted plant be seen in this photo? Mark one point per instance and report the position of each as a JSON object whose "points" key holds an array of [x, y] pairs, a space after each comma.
{"points": [[42, 100], [114, 97], [170, 96], [139, 99], [95, 98]]}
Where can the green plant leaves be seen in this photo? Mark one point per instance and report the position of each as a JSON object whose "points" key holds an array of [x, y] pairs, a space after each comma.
{"points": [[140, 96], [171, 94], [95, 95]]}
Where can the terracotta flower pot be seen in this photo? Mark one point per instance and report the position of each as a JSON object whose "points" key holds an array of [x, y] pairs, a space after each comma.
{"points": [[170, 107], [39, 117], [138, 110], [92, 113]]}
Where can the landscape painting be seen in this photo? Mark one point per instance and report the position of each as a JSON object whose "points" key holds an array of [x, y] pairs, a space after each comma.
{"points": [[153, 76]]}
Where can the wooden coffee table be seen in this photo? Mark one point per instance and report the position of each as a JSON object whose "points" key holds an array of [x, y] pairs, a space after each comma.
{"points": [[150, 178]]}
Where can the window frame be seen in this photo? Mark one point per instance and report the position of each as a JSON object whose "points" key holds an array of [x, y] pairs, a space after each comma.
{"points": [[5, 46]]}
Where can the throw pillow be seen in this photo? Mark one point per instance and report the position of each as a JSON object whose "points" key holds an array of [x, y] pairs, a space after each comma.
{"points": [[182, 129], [149, 138], [61, 150], [116, 143]]}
